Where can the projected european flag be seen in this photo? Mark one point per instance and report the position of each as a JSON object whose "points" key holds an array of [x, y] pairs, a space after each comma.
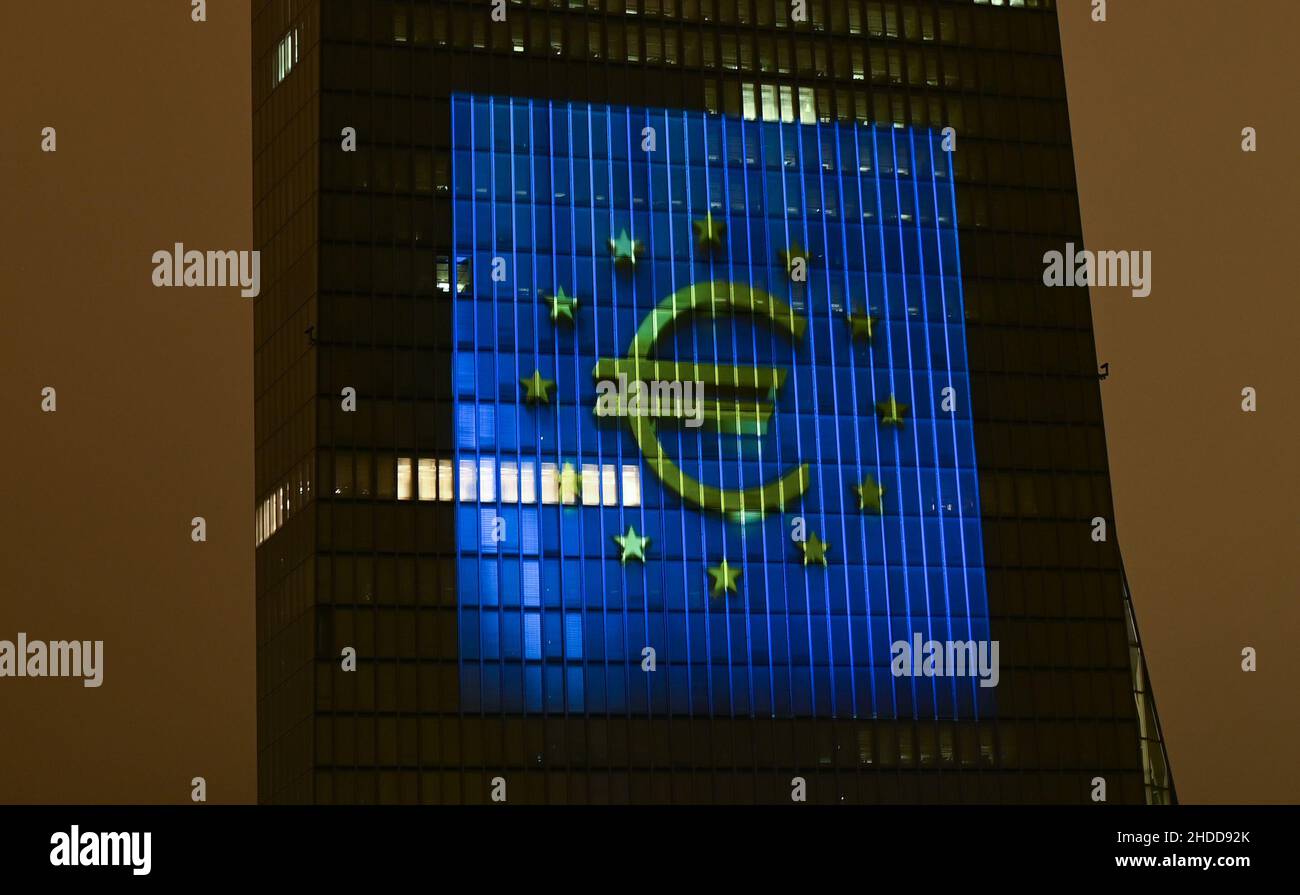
{"points": [[713, 432]]}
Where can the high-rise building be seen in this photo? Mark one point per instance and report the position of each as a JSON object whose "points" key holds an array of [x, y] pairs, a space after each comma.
{"points": [[660, 401]]}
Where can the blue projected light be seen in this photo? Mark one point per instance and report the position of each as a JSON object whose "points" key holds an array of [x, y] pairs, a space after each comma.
{"points": [[714, 452]]}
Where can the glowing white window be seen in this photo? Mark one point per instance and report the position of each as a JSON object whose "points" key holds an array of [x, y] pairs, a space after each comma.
{"points": [[590, 485], [403, 478], [631, 486], [487, 479], [468, 481], [428, 479], [550, 484], [570, 483], [770, 110], [446, 480], [807, 106], [527, 482], [609, 485], [286, 57], [509, 482]]}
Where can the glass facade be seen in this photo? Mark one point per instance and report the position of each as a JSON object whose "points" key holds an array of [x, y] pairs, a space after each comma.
{"points": [[376, 522], [674, 241]]}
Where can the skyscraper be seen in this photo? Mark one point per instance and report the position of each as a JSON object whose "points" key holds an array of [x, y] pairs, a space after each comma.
{"points": [[659, 400]]}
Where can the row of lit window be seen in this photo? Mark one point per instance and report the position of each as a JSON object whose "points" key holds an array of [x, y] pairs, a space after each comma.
{"points": [[286, 57], [771, 54], [483, 480], [875, 18], [283, 502]]}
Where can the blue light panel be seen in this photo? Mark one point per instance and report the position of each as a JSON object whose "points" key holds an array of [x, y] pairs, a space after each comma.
{"points": [[554, 614]]}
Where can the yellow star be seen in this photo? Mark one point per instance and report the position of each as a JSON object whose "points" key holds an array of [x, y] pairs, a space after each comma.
{"points": [[632, 544], [814, 549], [570, 483], [789, 255], [563, 305], [625, 249], [710, 233], [860, 325], [869, 494], [891, 412], [724, 578], [537, 388]]}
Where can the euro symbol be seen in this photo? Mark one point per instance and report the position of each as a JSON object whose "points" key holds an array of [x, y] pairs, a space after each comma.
{"points": [[715, 298]]}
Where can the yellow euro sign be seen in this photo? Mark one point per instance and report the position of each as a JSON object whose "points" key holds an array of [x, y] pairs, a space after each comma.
{"points": [[715, 298]]}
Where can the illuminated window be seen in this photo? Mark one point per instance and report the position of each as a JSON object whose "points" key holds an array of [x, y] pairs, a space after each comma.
{"points": [[487, 480], [771, 111], [591, 481], [286, 57], [570, 481], [446, 487], [633, 43], [428, 479], [550, 484], [608, 485], [509, 482], [875, 20], [468, 480], [807, 106], [404, 478], [911, 23], [729, 52], [527, 483], [631, 486]]}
